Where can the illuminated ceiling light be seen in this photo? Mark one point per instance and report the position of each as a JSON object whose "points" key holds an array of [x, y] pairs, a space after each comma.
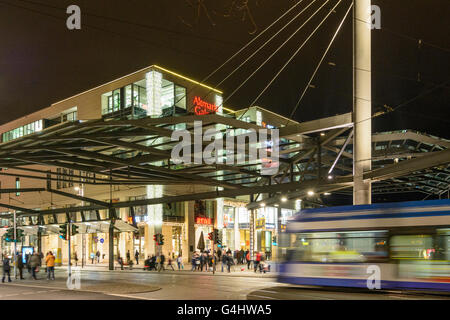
{"points": [[284, 199], [77, 188], [330, 177], [327, 194], [310, 193], [277, 205], [262, 205], [322, 134]]}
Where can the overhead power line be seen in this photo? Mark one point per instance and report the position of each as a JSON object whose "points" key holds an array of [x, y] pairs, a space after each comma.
{"points": [[295, 53], [320, 62], [140, 25], [151, 43], [278, 49]]}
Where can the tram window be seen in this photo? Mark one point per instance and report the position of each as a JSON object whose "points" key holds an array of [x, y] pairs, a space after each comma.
{"points": [[412, 247], [367, 246]]}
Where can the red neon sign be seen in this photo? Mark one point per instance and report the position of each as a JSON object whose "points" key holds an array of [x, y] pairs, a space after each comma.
{"points": [[202, 107], [203, 220]]}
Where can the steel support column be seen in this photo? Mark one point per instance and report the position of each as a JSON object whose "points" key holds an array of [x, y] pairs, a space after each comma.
{"points": [[111, 245], [362, 101]]}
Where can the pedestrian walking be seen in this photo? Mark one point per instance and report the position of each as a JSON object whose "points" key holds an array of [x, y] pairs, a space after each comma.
{"points": [[20, 265], [162, 261], [194, 261], [27, 262], [169, 263], [75, 257], [257, 261], [35, 263], [179, 262], [6, 269], [224, 261], [50, 263], [128, 255], [120, 261], [247, 257], [230, 262], [98, 256], [92, 257], [136, 256], [219, 253]]}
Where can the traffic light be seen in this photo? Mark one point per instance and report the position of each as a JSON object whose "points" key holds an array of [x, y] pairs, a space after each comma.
{"points": [[216, 235], [9, 235], [63, 231], [74, 229], [219, 239], [161, 239], [210, 236], [19, 234]]}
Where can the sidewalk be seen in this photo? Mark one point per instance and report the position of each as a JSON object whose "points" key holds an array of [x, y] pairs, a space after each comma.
{"points": [[236, 270]]}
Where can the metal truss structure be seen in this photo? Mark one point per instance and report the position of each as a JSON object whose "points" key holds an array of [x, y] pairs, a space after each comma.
{"points": [[315, 155]]}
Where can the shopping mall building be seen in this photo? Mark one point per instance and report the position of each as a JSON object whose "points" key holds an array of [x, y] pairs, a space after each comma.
{"points": [[156, 93]]}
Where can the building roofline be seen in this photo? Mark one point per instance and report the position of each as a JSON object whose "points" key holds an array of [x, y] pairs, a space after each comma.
{"points": [[138, 71]]}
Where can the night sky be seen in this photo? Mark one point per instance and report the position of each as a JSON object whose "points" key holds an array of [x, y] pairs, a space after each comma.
{"points": [[41, 61]]}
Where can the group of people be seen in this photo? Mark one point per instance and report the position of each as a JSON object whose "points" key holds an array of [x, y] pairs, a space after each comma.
{"points": [[202, 260], [157, 262], [32, 262]]}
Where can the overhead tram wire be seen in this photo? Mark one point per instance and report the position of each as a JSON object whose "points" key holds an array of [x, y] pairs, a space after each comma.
{"points": [[402, 35], [141, 25], [151, 43], [320, 62], [236, 54], [295, 53], [425, 93], [266, 43], [276, 51]]}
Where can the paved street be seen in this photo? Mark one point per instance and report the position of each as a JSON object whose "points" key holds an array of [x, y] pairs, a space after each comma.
{"points": [[169, 285], [164, 285]]}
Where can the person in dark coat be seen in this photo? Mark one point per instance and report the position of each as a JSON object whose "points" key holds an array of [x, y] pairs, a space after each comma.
{"points": [[27, 262], [120, 261], [242, 256], [6, 269], [20, 265], [35, 263], [230, 262], [136, 256], [219, 254]]}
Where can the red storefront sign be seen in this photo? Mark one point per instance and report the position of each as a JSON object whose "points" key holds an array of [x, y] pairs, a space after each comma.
{"points": [[203, 220], [202, 107]]}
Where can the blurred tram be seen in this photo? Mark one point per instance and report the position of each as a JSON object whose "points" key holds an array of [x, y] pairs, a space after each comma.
{"points": [[408, 241]]}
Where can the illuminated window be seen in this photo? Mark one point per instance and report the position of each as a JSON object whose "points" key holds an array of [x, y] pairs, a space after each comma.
{"points": [[17, 186]]}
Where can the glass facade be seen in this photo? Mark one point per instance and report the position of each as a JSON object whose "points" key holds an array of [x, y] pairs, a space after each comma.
{"points": [[151, 96], [22, 131]]}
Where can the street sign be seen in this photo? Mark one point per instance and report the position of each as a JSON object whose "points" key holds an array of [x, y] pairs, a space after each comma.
{"points": [[102, 240]]}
